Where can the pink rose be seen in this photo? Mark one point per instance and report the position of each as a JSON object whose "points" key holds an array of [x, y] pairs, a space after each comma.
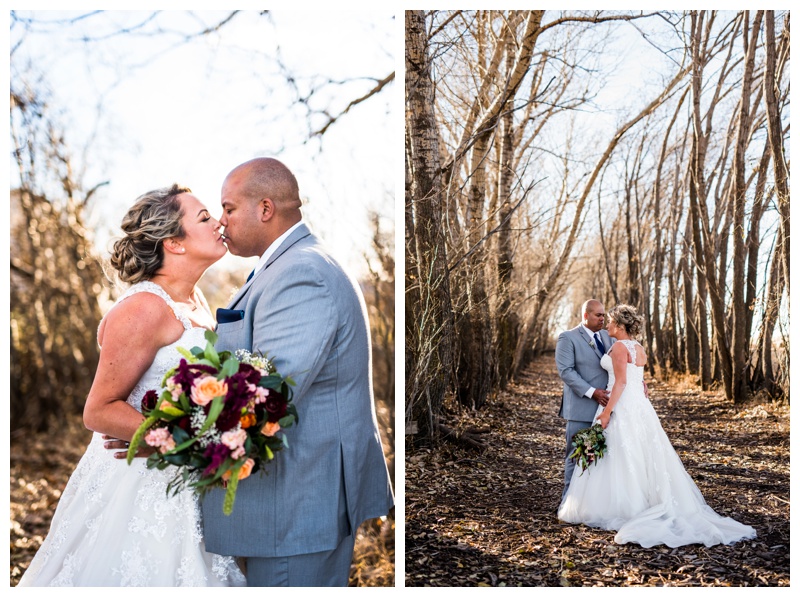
{"points": [[234, 439], [160, 438]]}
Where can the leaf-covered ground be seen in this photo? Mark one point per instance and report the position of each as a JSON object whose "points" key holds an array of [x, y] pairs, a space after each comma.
{"points": [[489, 519], [42, 463]]}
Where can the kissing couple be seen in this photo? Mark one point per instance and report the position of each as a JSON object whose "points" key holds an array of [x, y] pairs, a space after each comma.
{"points": [[115, 525]]}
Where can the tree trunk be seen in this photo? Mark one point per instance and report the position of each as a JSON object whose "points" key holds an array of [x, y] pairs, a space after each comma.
{"points": [[776, 138], [430, 321], [740, 344]]}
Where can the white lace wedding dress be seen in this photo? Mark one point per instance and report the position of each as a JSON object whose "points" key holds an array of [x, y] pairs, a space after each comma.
{"points": [[640, 487], [114, 524]]}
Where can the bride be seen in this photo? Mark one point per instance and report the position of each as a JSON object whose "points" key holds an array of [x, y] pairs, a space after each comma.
{"points": [[640, 487], [114, 524]]}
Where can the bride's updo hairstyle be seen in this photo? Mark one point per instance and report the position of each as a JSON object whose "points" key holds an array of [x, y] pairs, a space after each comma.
{"points": [[626, 317], [155, 217]]}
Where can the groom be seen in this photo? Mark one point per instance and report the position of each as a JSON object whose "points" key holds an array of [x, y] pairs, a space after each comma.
{"points": [[296, 526], [578, 353]]}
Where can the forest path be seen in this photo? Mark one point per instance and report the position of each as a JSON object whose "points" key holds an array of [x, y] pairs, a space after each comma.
{"points": [[489, 519]]}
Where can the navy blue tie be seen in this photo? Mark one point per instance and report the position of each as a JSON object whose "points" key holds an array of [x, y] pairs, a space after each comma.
{"points": [[600, 344], [250, 275]]}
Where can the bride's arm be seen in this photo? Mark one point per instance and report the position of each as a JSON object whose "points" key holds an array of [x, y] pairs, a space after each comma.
{"points": [[619, 358], [133, 332]]}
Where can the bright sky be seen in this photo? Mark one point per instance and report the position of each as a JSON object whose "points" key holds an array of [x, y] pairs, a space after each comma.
{"points": [[191, 114]]}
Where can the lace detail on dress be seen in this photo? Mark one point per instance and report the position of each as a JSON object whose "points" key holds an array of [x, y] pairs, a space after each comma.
{"points": [[167, 357], [115, 525], [631, 346], [152, 287]]}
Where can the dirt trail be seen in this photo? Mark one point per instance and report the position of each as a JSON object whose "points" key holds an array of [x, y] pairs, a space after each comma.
{"points": [[490, 519]]}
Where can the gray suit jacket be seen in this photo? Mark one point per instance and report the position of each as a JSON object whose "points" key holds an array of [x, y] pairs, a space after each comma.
{"points": [[579, 367], [310, 318]]}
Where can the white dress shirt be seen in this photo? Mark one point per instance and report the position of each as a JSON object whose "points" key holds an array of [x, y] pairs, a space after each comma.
{"points": [[273, 247], [590, 392]]}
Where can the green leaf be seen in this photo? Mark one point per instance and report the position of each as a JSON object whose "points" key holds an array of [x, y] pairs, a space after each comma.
{"points": [[230, 367], [185, 444], [179, 435], [198, 461], [211, 337], [213, 414], [176, 459], [184, 402], [211, 355]]}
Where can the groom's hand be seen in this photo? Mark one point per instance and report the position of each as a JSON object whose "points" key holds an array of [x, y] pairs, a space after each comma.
{"points": [[601, 396], [112, 443]]}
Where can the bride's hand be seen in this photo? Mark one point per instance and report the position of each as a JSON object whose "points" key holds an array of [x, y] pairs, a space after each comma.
{"points": [[604, 418]]}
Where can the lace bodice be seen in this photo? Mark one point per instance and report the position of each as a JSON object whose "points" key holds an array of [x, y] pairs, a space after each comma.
{"points": [[167, 356], [117, 524], [634, 373]]}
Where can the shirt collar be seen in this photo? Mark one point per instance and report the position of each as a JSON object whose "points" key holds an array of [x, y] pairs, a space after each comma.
{"points": [[274, 247], [588, 331]]}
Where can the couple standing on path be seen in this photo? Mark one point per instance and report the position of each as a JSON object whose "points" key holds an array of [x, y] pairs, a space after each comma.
{"points": [[639, 488], [115, 524]]}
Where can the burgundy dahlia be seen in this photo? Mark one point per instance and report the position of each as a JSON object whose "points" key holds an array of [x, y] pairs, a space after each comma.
{"points": [[149, 401]]}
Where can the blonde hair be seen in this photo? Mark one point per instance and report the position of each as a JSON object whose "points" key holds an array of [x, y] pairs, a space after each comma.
{"points": [[155, 217], [627, 317]]}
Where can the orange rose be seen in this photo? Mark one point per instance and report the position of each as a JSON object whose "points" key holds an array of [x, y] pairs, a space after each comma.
{"points": [[270, 429], [206, 389], [247, 420], [244, 472]]}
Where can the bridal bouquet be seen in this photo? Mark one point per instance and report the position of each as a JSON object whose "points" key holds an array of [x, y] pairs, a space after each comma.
{"points": [[590, 446], [218, 419]]}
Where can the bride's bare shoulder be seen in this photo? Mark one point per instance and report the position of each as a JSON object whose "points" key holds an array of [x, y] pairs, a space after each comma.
{"points": [[140, 313]]}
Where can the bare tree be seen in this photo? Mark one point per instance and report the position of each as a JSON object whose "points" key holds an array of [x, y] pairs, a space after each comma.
{"points": [[56, 275]]}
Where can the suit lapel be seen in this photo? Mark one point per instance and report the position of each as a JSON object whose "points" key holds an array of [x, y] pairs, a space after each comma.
{"points": [[588, 341], [301, 232], [240, 294]]}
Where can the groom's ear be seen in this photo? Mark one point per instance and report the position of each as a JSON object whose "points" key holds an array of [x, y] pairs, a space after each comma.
{"points": [[266, 209]]}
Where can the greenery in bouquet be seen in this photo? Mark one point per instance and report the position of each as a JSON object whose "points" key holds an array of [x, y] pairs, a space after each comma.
{"points": [[590, 446], [218, 419]]}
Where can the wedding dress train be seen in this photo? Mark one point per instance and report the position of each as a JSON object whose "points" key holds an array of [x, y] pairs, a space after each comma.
{"points": [[114, 524], [640, 487]]}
